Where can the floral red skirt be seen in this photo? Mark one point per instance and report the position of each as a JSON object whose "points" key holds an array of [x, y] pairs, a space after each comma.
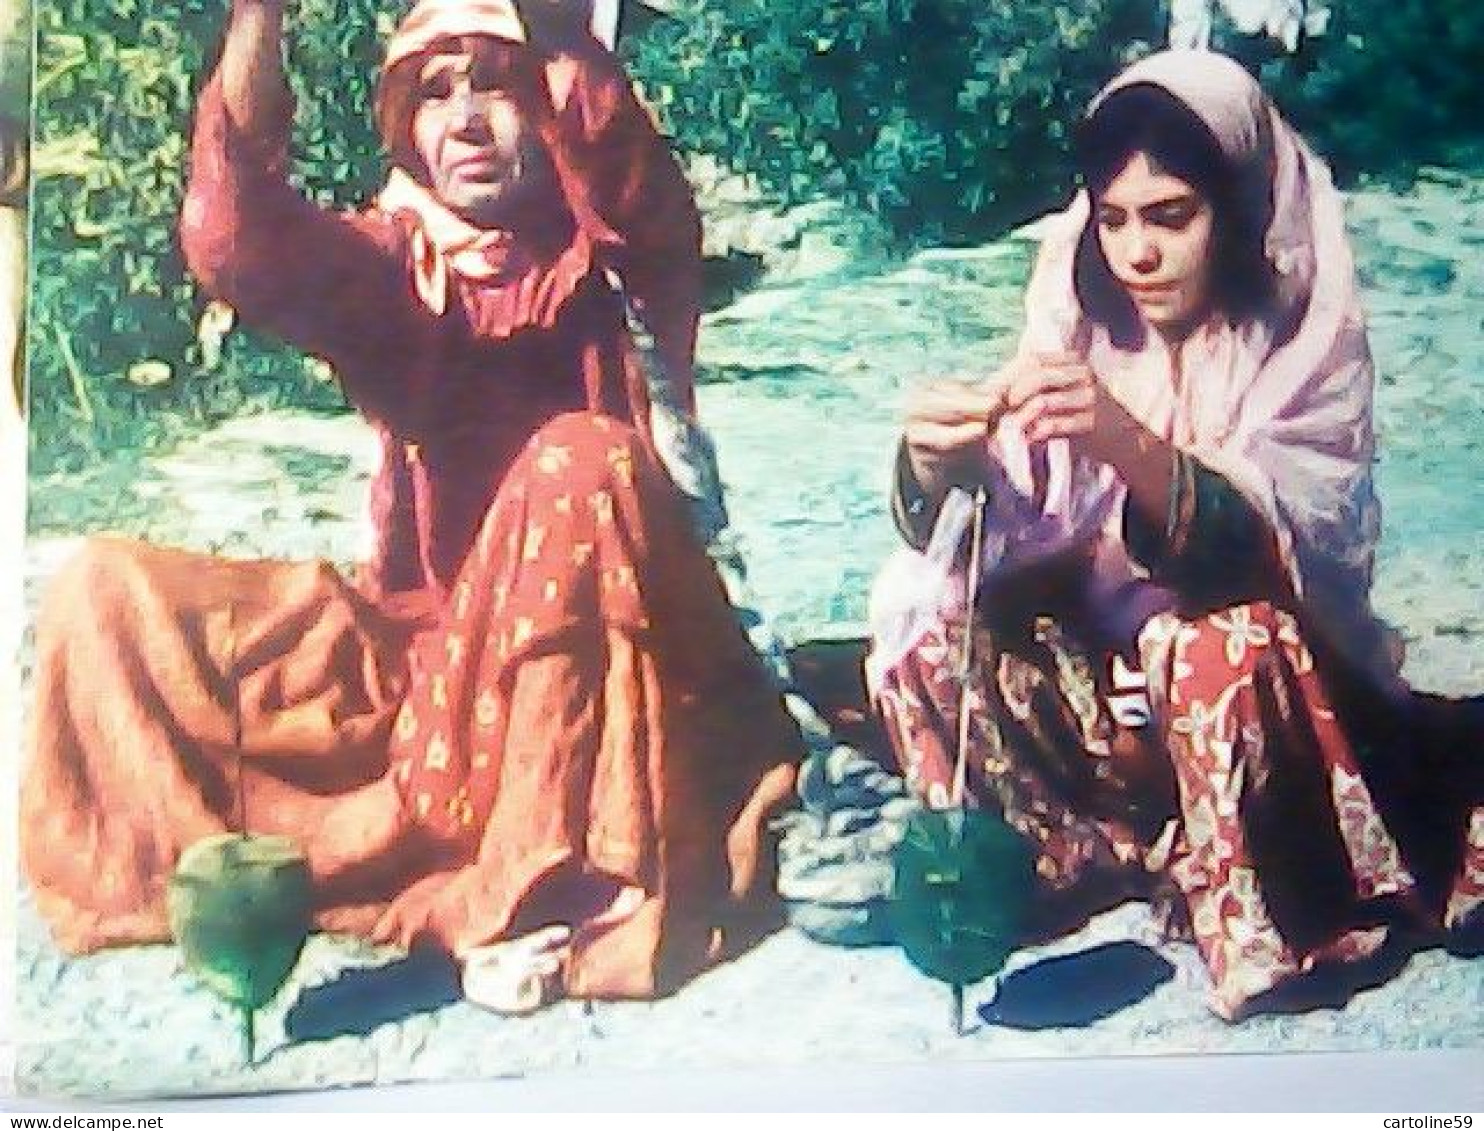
{"points": [[1243, 791]]}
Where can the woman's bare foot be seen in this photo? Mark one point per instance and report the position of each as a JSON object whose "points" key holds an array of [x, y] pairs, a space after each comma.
{"points": [[520, 975], [517, 976]]}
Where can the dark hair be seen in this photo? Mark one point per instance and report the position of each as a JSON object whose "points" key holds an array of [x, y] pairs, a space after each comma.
{"points": [[1143, 118], [398, 92]]}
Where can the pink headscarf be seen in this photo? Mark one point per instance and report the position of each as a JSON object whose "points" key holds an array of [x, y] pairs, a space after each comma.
{"points": [[1285, 416]]}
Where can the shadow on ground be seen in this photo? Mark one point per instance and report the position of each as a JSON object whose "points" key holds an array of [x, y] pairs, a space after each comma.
{"points": [[363, 999], [1072, 990]]}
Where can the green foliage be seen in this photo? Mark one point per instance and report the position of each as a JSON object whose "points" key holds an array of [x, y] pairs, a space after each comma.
{"points": [[1391, 85], [948, 118], [116, 84]]}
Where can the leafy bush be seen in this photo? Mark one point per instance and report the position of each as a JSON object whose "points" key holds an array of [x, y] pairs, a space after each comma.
{"points": [[115, 358], [1391, 84], [15, 59], [946, 117]]}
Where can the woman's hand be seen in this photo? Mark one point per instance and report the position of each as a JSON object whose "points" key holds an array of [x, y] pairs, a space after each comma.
{"points": [[1058, 397], [947, 424], [1055, 395], [254, 88]]}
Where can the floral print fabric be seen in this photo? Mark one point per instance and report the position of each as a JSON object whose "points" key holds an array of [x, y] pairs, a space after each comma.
{"points": [[1244, 792]]}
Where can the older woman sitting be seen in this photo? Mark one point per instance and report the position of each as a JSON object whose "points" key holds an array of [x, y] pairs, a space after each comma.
{"points": [[531, 721]]}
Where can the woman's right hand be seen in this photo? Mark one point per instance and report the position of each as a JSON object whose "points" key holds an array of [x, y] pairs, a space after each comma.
{"points": [[949, 421], [254, 88], [947, 424]]}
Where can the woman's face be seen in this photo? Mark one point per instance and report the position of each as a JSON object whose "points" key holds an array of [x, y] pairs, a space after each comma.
{"points": [[1155, 231], [482, 158]]}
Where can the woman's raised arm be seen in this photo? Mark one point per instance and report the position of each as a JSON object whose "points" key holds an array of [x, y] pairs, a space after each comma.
{"points": [[333, 284]]}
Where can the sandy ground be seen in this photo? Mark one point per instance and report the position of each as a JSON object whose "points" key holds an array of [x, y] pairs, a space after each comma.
{"points": [[812, 366]]}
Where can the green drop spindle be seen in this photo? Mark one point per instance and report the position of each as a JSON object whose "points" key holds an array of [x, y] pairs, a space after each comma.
{"points": [[240, 910], [963, 879]]}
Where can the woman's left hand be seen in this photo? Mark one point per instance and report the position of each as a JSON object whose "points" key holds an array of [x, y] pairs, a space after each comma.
{"points": [[1055, 396], [1060, 398]]}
